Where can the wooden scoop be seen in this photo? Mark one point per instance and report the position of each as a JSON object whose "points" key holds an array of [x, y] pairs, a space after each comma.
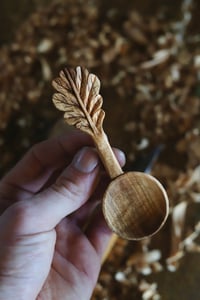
{"points": [[135, 205]]}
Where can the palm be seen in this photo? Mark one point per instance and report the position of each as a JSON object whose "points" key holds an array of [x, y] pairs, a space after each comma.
{"points": [[71, 266]]}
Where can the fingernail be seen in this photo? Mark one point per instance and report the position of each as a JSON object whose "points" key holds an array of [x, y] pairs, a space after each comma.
{"points": [[85, 160]]}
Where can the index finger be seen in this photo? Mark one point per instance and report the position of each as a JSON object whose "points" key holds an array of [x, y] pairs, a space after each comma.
{"points": [[41, 161]]}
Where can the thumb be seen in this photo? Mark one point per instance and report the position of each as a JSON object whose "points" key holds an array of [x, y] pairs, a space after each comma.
{"points": [[71, 190]]}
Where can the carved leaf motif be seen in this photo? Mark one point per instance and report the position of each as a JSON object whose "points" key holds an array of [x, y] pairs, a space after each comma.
{"points": [[78, 96]]}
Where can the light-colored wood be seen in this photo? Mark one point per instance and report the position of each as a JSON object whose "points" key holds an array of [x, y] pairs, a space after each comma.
{"points": [[107, 156], [110, 246], [78, 96], [135, 205]]}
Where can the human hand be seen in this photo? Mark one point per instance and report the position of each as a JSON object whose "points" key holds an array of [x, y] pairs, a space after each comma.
{"points": [[46, 251]]}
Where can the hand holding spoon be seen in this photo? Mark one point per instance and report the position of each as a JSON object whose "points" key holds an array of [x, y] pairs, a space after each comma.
{"points": [[135, 205]]}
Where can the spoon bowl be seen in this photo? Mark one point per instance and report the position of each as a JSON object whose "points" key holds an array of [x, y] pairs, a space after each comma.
{"points": [[135, 205]]}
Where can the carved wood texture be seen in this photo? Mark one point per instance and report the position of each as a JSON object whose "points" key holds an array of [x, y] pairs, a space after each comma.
{"points": [[78, 96]]}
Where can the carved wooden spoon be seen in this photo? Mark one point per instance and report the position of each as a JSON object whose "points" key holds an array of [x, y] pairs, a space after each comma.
{"points": [[135, 205]]}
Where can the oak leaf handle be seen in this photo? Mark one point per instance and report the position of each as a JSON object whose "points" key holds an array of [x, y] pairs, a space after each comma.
{"points": [[78, 96]]}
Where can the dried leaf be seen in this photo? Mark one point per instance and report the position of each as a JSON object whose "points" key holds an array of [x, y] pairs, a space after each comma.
{"points": [[78, 96]]}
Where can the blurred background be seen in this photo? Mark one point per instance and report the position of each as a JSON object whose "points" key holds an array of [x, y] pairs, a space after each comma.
{"points": [[147, 56]]}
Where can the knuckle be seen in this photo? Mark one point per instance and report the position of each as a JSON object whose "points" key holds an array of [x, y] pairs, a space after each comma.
{"points": [[67, 187], [20, 214]]}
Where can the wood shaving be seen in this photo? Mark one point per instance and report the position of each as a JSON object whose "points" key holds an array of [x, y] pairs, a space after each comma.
{"points": [[147, 63]]}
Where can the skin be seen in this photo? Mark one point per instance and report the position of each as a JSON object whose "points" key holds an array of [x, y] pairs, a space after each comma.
{"points": [[47, 248]]}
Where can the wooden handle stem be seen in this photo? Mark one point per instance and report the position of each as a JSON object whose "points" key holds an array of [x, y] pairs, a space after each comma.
{"points": [[107, 156]]}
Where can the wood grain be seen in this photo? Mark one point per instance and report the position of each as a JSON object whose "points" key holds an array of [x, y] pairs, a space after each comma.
{"points": [[136, 200]]}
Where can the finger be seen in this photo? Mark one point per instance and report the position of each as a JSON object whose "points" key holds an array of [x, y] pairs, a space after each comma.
{"points": [[40, 162], [97, 230], [99, 233], [71, 190], [82, 216], [81, 252], [73, 187]]}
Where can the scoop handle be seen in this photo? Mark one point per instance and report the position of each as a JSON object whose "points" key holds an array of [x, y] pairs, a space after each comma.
{"points": [[107, 156]]}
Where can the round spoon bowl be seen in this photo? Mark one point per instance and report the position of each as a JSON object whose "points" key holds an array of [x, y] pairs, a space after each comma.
{"points": [[135, 205]]}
